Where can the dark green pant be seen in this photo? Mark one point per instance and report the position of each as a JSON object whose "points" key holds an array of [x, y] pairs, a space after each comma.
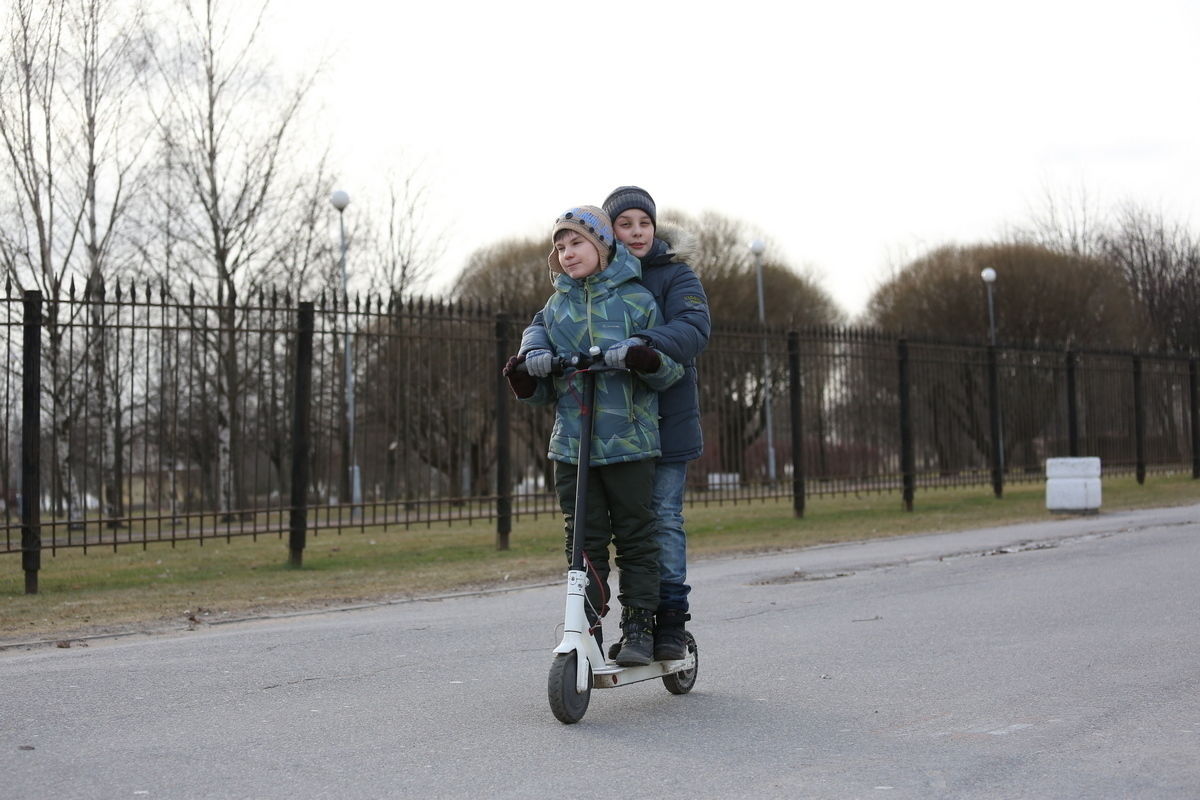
{"points": [[618, 511]]}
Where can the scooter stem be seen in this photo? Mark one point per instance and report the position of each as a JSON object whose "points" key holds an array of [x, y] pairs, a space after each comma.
{"points": [[585, 457]]}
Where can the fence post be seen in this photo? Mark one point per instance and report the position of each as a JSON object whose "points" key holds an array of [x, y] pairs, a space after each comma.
{"points": [[503, 448], [1072, 407], [31, 443], [796, 397], [907, 459], [994, 420], [1139, 421], [1195, 395], [301, 403]]}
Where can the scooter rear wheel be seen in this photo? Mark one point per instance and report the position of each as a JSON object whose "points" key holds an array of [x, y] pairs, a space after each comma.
{"points": [[568, 705], [682, 682]]}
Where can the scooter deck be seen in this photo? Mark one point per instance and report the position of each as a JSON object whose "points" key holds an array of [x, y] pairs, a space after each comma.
{"points": [[612, 675]]}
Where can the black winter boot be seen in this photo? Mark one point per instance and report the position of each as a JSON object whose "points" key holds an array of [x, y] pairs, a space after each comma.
{"points": [[637, 644], [670, 639]]}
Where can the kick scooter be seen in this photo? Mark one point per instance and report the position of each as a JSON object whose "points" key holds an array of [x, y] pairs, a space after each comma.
{"points": [[579, 666]]}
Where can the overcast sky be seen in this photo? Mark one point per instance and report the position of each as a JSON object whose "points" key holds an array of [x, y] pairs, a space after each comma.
{"points": [[853, 135]]}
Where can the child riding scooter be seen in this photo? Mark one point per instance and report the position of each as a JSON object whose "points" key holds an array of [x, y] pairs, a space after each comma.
{"points": [[604, 475]]}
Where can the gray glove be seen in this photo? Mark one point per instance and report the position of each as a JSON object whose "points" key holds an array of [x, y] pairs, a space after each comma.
{"points": [[615, 355], [538, 363]]}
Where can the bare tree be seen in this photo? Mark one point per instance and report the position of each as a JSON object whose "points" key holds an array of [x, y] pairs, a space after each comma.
{"points": [[1042, 297], [511, 275], [1067, 222], [1160, 261], [71, 155], [230, 135], [108, 61], [39, 234], [736, 386], [403, 250]]}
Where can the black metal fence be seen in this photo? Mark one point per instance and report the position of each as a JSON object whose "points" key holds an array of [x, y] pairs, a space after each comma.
{"points": [[134, 416]]}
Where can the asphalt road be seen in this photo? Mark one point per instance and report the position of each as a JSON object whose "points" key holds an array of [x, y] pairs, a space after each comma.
{"points": [[1053, 660]]}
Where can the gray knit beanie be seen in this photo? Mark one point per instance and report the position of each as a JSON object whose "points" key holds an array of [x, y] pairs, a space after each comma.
{"points": [[591, 223], [624, 198]]}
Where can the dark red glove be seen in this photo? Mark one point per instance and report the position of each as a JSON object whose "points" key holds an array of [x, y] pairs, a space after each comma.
{"points": [[643, 358], [522, 383]]}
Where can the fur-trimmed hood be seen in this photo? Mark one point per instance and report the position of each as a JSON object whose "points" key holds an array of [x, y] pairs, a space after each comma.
{"points": [[682, 245]]}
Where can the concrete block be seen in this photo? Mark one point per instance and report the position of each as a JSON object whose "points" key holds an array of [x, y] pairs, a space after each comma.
{"points": [[1073, 485]]}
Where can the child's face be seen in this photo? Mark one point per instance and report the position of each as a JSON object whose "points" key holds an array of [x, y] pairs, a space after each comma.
{"points": [[577, 255], [635, 229]]}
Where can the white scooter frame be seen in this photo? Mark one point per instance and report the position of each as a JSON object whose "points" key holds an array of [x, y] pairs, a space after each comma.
{"points": [[579, 666], [577, 640]]}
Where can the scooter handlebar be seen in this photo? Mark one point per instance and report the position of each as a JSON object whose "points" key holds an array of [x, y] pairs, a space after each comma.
{"points": [[593, 360]]}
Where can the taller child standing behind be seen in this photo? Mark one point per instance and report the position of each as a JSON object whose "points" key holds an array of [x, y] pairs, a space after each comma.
{"points": [[597, 303], [683, 334]]}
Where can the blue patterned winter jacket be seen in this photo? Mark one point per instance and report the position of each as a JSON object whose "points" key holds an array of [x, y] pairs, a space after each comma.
{"points": [[603, 309]]}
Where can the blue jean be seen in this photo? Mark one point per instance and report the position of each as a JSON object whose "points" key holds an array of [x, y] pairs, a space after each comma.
{"points": [[669, 481]]}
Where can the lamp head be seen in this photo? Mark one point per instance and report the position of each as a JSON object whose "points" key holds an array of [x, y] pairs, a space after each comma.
{"points": [[339, 199]]}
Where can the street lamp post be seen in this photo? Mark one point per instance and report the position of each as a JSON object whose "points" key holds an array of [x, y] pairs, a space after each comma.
{"points": [[757, 248], [997, 421], [339, 199], [989, 277]]}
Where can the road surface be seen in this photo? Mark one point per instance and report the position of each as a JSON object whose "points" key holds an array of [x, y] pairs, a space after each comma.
{"points": [[1058, 659]]}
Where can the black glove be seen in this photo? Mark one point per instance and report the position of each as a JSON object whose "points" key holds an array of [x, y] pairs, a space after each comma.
{"points": [[643, 358], [522, 383]]}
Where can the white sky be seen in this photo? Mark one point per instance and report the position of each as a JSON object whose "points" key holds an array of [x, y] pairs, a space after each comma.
{"points": [[853, 135]]}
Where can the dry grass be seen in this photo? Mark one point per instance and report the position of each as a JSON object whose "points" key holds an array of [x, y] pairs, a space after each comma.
{"points": [[163, 587]]}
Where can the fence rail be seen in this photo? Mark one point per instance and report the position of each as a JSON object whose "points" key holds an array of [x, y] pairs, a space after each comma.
{"points": [[136, 417]]}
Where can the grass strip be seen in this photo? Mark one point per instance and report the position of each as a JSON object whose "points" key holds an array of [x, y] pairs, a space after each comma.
{"points": [[161, 587]]}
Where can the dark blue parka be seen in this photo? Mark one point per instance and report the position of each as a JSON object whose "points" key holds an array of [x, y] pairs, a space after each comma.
{"points": [[683, 336]]}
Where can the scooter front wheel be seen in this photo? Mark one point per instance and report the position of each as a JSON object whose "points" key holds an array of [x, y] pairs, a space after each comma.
{"points": [[682, 682], [568, 705]]}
